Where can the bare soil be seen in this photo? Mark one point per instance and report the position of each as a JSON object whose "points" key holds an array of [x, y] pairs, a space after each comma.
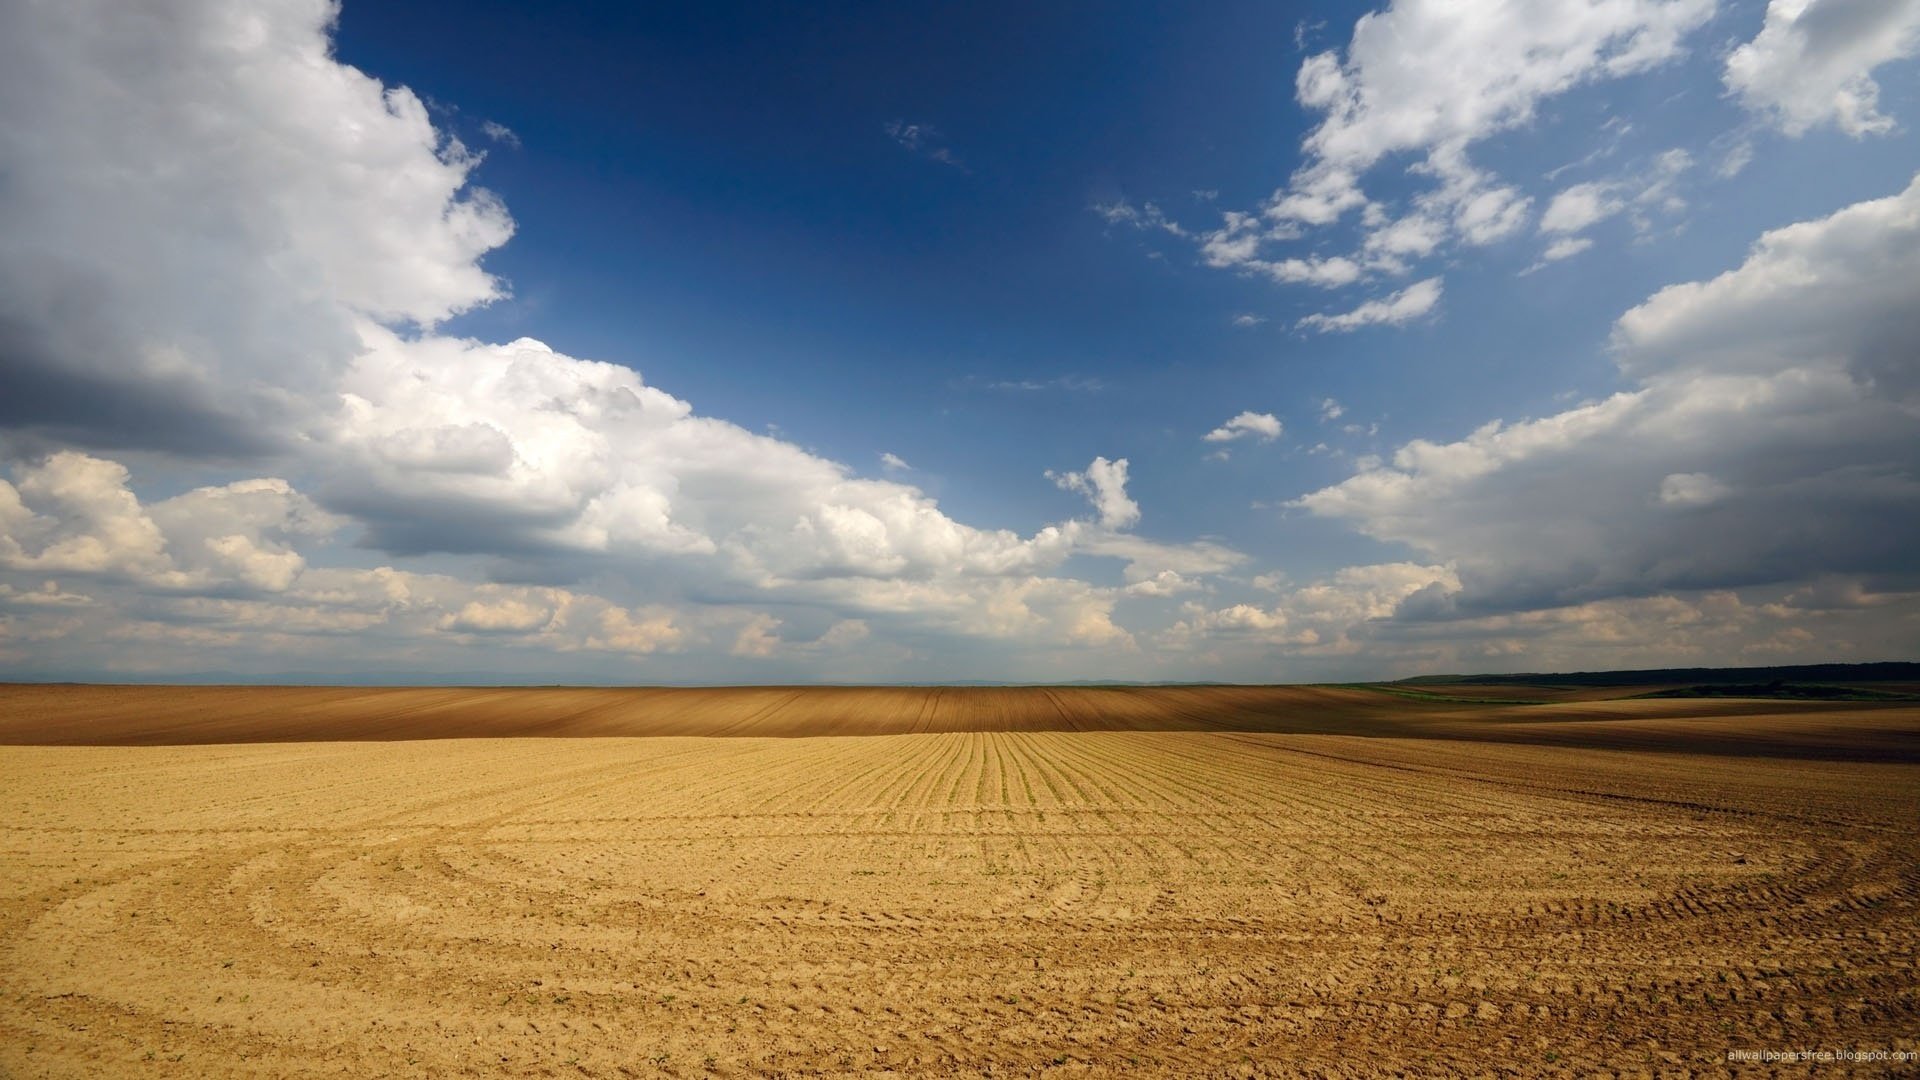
{"points": [[1238, 881]]}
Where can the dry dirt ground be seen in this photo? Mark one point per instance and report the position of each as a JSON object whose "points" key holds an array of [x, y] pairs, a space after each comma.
{"points": [[1440, 889]]}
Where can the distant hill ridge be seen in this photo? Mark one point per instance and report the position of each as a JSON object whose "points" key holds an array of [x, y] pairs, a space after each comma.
{"points": [[1887, 671]]}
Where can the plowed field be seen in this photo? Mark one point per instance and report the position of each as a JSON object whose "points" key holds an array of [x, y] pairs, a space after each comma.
{"points": [[1009, 901]]}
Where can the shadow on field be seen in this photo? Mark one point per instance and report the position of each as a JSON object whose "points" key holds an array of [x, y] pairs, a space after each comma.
{"points": [[1612, 718]]}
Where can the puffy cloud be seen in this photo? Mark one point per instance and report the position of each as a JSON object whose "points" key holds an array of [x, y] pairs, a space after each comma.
{"points": [[1326, 618], [629, 631], [758, 637], [1327, 273], [1263, 426], [1832, 294], [75, 513], [199, 201], [1813, 61], [1394, 309], [1400, 87], [504, 616], [1104, 483], [1649, 192], [244, 532], [1580, 206], [520, 450], [1773, 437], [223, 569], [1400, 90]]}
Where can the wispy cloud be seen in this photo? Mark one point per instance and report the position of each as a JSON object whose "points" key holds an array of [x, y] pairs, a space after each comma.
{"points": [[500, 133], [924, 140], [1145, 216], [1072, 384], [1395, 309]]}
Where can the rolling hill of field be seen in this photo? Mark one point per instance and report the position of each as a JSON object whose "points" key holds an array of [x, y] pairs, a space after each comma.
{"points": [[1619, 717]]}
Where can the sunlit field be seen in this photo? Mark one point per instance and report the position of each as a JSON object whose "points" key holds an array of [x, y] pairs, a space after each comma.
{"points": [[1618, 885]]}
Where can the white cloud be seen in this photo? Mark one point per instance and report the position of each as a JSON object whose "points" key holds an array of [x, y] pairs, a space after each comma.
{"points": [[1331, 410], [1401, 90], [1566, 248], [1401, 85], [73, 513], [185, 240], [1104, 483], [1783, 391], [758, 637], [1416, 235], [1813, 61], [1327, 273], [635, 631], [1146, 216], [1395, 309], [1164, 583], [1327, 617], [505, 616], [500, 133], [1245, 320], [893, 462], [1648, 192], [1262, 426], [1580, 206], [239, 243]]}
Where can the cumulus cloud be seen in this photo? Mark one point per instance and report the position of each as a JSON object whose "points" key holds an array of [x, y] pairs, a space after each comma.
{"points": [[1400, 85], [1394, 309], [1646, 196], [1104, 483], [1262, 426], [1580, 206], [1399, 91], [214, 236], [1325, 618], [1773, 437], [1813, 61], [199, 202], [758, 637]]}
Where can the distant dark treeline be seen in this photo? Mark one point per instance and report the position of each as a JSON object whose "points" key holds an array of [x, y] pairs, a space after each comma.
{"points": [[1891, 671]]}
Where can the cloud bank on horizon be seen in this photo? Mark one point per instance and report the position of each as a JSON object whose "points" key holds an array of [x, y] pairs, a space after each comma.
{"points": [[243, 429]]}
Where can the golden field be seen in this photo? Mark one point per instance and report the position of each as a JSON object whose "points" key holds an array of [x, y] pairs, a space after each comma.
{"points": [[1081, 881]]}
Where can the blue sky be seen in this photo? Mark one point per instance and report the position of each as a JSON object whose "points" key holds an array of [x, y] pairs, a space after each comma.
{"points": [[1482, 282]]}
